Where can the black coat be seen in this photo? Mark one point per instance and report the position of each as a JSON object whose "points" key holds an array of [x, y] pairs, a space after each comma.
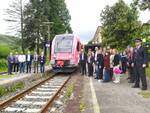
{"points": [[42, 60], [140, 56], [84, 58], [117, 59], [100, 60]]}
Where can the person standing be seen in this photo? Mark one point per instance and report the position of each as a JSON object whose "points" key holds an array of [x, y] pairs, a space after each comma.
{"points": [[124, 62], [100, 65], [10, 60], [83, 60], [36, 58], [16, 62], [106, 67], [131, 75], [28, 62], [42, 62], [22, 60], [140, 61], [111, 63], [116, 64], [96, 68], [90, 62]]}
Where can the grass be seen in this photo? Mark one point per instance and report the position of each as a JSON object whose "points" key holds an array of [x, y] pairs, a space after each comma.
{"points": [[7, 76], [148, 71], [145, 94], [69, 92], [13, 88], [82, 105]]}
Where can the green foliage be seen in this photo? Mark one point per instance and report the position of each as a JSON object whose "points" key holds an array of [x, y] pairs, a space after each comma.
{"points": [[148, 71], [143, 4], [39, 11], [7, 44], [4, 51], [119, 25], [2, 91], [82, 106], [16, 86], [69, 91], [12, 88], [3, 65], [145, 94]]}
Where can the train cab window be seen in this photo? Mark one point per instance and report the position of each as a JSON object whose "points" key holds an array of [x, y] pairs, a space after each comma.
{"points": [[78, 46]]}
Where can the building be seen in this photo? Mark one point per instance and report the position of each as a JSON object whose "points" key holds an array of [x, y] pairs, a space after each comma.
{"points": [[97, 37]]}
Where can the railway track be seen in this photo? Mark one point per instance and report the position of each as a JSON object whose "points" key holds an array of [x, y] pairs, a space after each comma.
{"points": [[36, 99], [2, 73]]}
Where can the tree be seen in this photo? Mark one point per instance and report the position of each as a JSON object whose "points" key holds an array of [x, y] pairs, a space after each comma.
{"points": [[57, 12], [119, 25], [39, 11], [33, 29], [143, 4], [15, 17]]}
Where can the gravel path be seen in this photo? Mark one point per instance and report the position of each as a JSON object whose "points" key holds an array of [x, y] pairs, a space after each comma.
{"points": [[116, 98]]}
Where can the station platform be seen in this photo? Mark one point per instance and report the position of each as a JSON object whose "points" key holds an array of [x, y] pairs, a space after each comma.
{"points": [[109, 97], [20, 77]]}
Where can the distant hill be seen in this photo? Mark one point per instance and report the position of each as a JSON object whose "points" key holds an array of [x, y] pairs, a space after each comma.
{"points": [[11, 41]]}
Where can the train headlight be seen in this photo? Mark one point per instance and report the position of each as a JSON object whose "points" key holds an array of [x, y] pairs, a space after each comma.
{"points": [[52, 61], [71, 62]]}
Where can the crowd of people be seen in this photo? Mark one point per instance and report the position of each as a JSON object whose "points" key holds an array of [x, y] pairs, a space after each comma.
{"points": [[108, 64], [22, 63]]}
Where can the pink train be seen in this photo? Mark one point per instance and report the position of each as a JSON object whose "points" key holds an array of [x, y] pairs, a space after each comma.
{"points": [[65, 52]]}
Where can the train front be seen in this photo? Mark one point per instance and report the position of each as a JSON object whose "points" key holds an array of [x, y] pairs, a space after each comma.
{"points": [[62, 53]]}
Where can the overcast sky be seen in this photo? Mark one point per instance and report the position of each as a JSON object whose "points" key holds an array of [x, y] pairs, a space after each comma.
{"points": [[85, 16]]}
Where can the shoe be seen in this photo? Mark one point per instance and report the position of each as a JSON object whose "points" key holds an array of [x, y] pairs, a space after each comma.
{"points": [[116, 81], [143, 88], [100, 80], [130, 82], [128, 78], [135, 86]]}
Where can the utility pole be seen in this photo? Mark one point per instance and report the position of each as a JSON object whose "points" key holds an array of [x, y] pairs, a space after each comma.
{"points": [[48, 24], [21, 12]]}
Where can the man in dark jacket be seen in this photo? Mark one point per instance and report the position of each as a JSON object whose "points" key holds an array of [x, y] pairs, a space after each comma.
{"points": [[10, 59], [42, 60], [29, 62], [140, 61], [82, 61]]}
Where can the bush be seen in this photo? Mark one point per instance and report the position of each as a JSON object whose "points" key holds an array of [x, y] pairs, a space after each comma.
{"points": [[2, 91], [4, 51], [3, 65]]}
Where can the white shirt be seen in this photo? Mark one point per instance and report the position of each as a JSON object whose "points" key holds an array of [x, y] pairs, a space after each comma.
{"points": [[111, 60], [21, 58], [96, 56], [35, 57], [28, 57]]}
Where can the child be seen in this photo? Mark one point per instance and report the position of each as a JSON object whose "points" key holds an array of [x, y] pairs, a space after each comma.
{"points": [[117, 72]]}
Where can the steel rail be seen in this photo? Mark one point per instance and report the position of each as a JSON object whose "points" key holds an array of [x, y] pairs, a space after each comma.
{"points": [[19, 95], [49, 103], [1, 73]]}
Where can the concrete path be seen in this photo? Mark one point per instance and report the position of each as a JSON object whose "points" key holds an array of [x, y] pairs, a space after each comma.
{"points": [[19, 77], [114, 98]]}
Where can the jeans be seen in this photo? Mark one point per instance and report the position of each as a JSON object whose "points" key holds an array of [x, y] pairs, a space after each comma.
{"points": [[22, 67], [97, 70], [42, 67], [106, 75], [10, 68]]}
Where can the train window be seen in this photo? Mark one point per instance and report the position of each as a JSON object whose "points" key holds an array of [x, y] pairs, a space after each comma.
{"points": [[78, 46], [63, 44]]}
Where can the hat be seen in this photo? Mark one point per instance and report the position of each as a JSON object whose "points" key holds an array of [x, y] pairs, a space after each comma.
{"points": [[138, 40]]}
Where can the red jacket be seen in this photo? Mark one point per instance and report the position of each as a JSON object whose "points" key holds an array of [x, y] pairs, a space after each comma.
{"points": [[107, 61]]}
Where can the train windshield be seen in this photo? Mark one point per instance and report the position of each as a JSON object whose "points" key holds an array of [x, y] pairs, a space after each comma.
{"points": [[63, 44]]}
